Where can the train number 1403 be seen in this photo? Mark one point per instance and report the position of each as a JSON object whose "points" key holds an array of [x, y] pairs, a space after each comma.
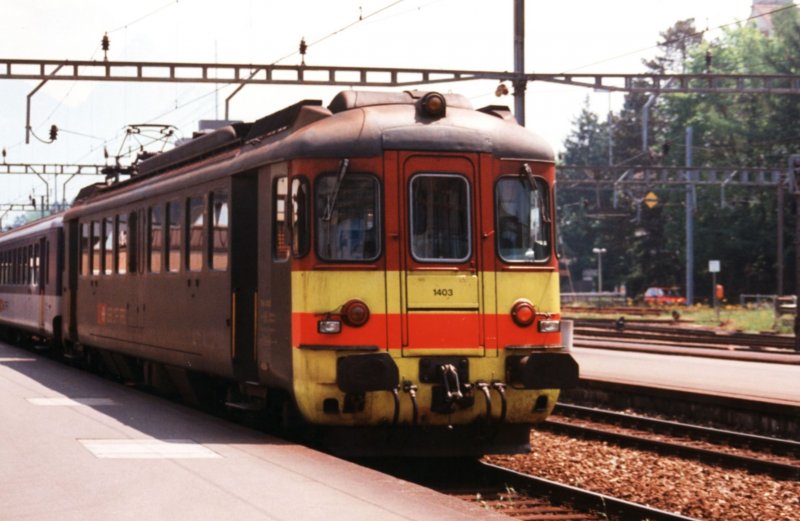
{"points": [[443, 292]]}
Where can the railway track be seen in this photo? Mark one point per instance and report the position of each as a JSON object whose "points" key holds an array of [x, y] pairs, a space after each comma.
{"points": [[519, 495], [684, 337], [776, 457]]}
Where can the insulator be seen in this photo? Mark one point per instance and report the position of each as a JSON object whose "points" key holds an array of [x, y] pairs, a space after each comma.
{"points": [[105, 42], [303, 46], [53, 132]]}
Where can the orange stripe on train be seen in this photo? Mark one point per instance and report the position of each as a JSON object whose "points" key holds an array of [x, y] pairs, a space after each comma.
{"points": [[425, 330]]}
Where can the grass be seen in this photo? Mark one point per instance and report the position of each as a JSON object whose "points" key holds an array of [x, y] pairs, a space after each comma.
{"points": [[738, 318], [732, 318]]}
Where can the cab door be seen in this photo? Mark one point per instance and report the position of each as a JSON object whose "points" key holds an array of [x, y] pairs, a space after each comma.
{"points": [[441, 275]]}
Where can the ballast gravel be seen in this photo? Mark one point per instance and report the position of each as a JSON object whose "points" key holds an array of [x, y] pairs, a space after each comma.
{"points": [[668, 483]]}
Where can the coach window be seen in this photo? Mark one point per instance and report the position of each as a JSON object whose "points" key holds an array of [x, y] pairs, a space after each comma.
{"points": [[46, 261], [347, 210], [523, 219], [108, 246], [219, 234], [35, 265], [33, 251], [280, 247], [26, 264], [96, 244], [27, 255], [440, 215], [83, 259], [21, 266], [122, 244], [155, 234], [299, 231], [196, 216], [174, 237]]}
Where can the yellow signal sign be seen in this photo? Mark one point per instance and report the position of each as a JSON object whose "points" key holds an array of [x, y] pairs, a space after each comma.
{"points": [[651, 199]]}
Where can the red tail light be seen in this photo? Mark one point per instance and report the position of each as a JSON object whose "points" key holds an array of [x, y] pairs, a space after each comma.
{"points": [[355, 313], [523, 313]]}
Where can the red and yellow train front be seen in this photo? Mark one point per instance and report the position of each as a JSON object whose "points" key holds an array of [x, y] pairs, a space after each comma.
{"points": [[425, 291]]}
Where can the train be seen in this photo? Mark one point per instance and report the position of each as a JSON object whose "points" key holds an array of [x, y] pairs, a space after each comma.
{"points": [[380, 274]]}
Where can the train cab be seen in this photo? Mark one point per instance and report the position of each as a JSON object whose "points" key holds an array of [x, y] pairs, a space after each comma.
{"points": [[424, 279]]}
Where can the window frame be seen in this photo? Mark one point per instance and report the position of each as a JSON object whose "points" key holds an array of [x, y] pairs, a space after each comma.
{"points": [[469, 218], [547, 219], [150, 236], [168, 236], [189, 227], [280, 253], [298, 249], [95, 248], [212, 230], [105, 254], [377, 218]]}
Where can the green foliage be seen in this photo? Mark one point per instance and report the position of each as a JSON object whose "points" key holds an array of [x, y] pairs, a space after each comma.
{"points": [[743, 130]]}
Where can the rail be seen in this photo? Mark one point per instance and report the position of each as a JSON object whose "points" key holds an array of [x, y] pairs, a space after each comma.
{"points": [[774, 456]]}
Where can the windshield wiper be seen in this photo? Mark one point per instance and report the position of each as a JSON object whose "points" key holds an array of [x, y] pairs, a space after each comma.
{"points": [[343, 164], [526, 171]]}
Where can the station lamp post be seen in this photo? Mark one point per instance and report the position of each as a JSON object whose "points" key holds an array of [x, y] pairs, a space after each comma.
{"points": [[599, 252]]}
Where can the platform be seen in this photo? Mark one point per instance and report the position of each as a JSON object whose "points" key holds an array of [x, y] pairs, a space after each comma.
{"points": [[759, 381], [74, 446]]}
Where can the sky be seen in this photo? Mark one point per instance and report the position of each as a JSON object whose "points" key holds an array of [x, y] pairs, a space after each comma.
{"points": [[611, 36]]}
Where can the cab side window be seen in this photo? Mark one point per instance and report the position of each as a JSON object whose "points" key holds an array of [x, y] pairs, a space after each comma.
{"points": [[280, 246], [299, 218]]}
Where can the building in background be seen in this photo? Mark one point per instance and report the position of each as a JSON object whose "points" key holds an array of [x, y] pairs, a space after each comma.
{"points": [[759, 13]]}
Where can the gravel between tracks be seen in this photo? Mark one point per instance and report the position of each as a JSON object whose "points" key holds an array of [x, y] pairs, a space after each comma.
{"points": [[669, 483]]}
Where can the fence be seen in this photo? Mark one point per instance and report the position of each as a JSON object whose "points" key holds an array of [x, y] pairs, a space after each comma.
{"points": [[606, 298]]}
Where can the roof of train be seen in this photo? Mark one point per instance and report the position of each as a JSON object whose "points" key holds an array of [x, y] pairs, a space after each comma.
{"points": [[355, 124], [33, 227]]}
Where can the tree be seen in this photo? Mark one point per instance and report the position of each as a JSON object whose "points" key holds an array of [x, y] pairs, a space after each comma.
{"points": [[729, 131]]}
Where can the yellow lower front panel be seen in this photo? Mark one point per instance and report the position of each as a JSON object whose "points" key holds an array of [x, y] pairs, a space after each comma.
{"points": [[321, 402]]}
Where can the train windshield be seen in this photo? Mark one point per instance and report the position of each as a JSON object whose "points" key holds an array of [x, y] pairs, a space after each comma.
{"points": [[348, 213], [523, 219]]}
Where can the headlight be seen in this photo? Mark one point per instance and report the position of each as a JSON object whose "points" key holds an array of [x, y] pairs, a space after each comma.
{"points": [[329, 327], [549, 326]]}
